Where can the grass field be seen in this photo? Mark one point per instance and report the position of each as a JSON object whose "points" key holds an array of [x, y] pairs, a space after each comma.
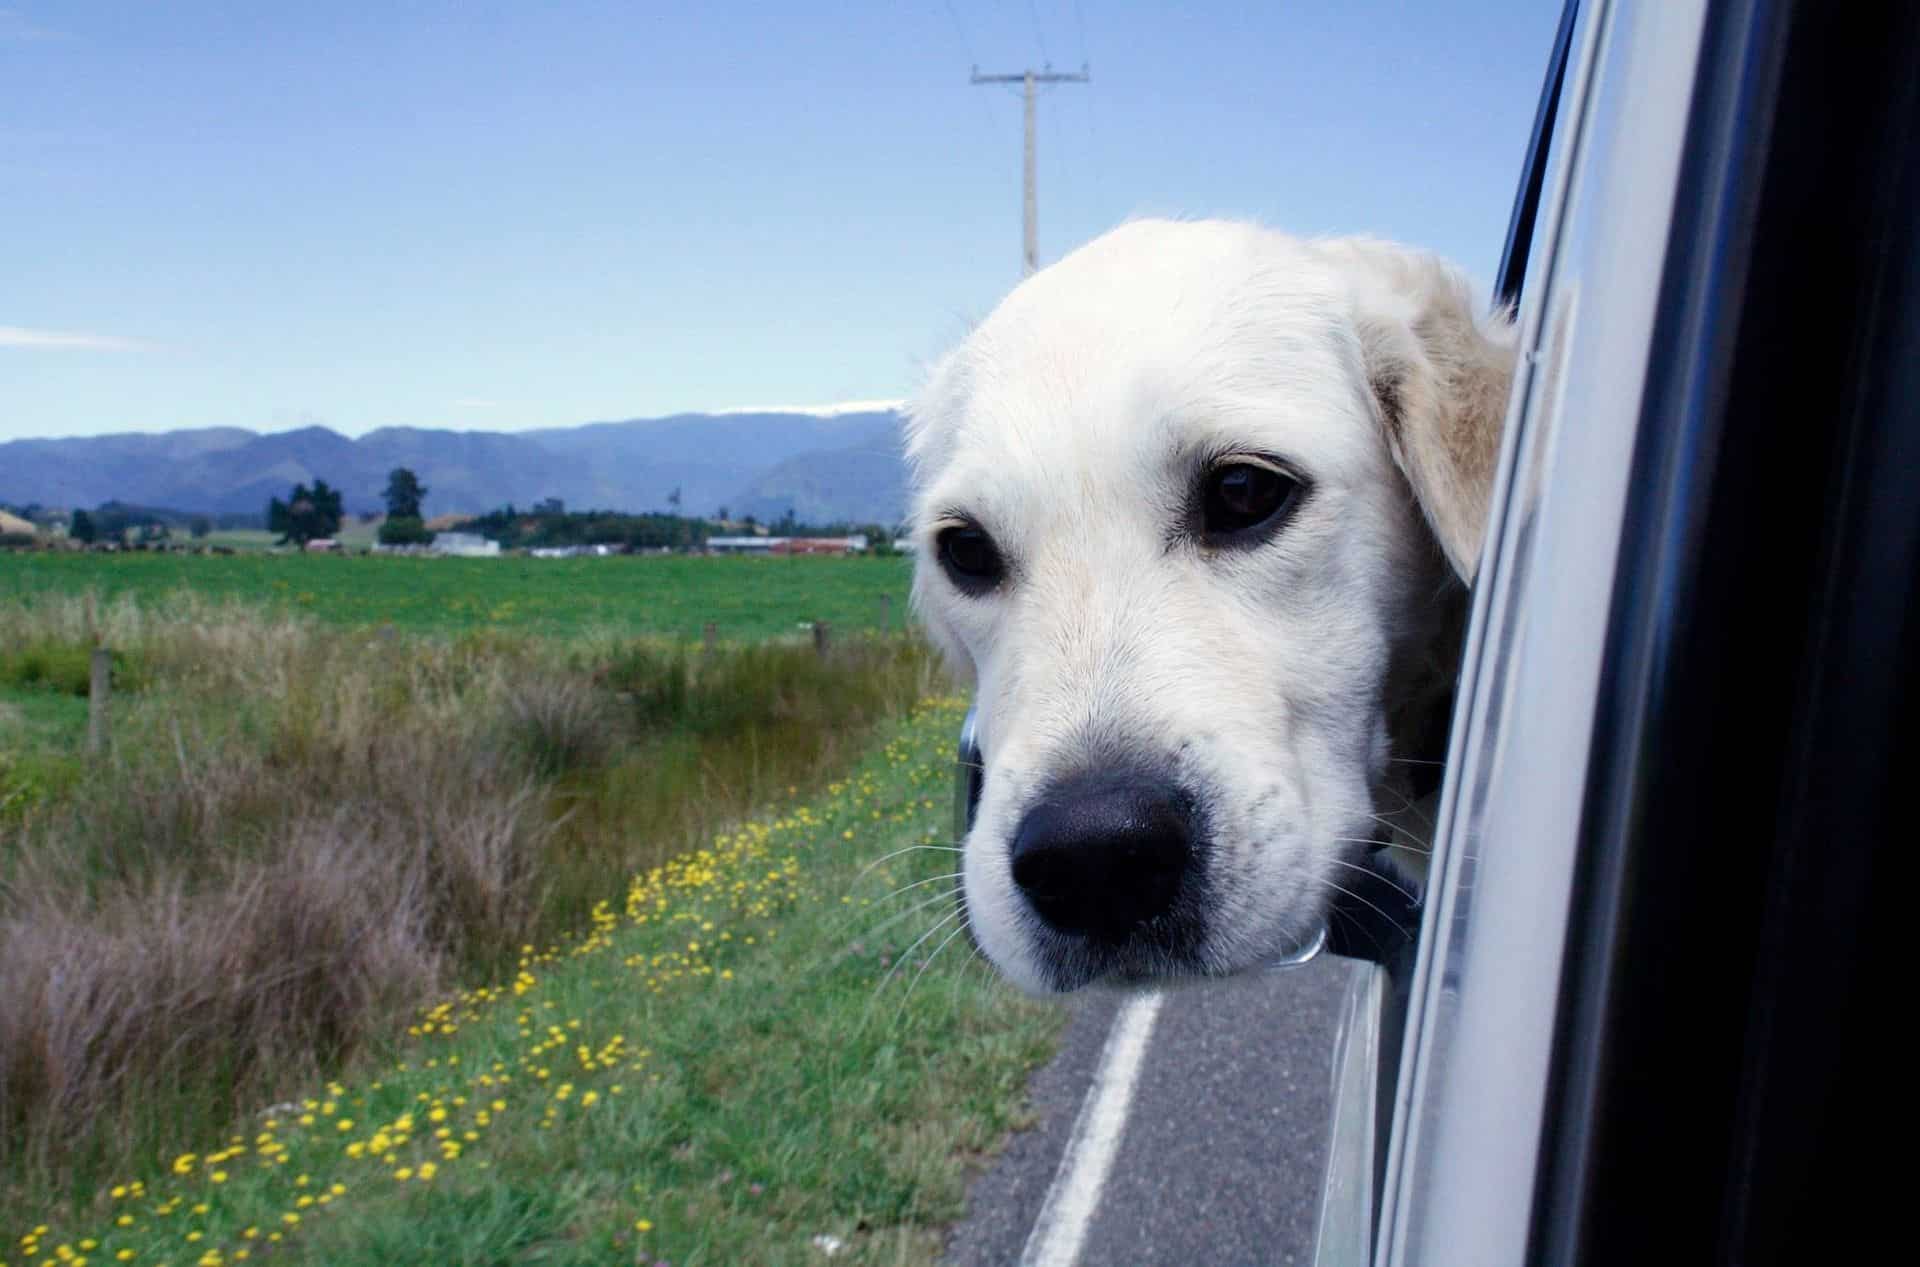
{"points": [[777, 1039], [672, 596], [222, 941]]}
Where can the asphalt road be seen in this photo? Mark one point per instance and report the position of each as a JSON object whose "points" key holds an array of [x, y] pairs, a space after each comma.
{"points": [[1219, 1159]]}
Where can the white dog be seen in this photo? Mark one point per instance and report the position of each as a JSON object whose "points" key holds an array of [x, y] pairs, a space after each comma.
{"points": [[1195, 509]]}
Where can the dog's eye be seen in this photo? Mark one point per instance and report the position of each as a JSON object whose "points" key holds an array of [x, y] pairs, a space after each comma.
{"points": [[970, 558], [1239, 497]]}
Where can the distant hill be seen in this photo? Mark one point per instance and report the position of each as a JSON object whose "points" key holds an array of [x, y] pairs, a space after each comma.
{"points": [[835, 466], [864, 484]]}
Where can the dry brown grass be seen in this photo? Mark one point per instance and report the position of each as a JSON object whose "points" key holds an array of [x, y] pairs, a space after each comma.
{"points": [[304, 833]]}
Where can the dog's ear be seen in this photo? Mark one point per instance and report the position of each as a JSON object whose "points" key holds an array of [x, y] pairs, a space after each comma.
{"points": [[1440, 376]]}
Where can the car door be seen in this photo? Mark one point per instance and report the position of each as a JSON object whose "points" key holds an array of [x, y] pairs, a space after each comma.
{"points": [[1648, 1008]]}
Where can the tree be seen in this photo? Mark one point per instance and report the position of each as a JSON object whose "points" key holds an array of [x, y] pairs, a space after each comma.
{"points": [[673, 499], [82, 529], [199, 526], [404, 530], [404, 494], [307, 515]]}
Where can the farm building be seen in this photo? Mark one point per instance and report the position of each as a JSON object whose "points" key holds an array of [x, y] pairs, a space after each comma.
{"points": [[14, 525], [574, 552], [464, 545], [741, 545], [787, 545], [822, 545]]}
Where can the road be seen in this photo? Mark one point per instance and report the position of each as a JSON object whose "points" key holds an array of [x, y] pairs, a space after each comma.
{"points": [[1192, 1127]]}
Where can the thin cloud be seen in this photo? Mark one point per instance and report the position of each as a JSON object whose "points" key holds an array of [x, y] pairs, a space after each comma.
{"points": [[820, 411], [16, 25], [66, 340], [474, 402]]}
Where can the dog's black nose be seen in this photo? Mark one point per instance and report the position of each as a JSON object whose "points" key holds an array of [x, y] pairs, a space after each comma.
{"points": [[1100, 858]]}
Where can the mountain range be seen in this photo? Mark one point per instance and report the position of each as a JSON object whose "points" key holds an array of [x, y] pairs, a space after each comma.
{"points": [[824, 465]]}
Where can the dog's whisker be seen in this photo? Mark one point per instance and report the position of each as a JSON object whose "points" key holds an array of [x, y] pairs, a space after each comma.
{"points": [[1418, 846], [1376, 875], [1377, 844], [908, 952], [1336, 913], [884, 858], [1409, 806], [908, 888], [1413, 761], [926, 963], [909, 913], [1399, 829], [1340, 888]]}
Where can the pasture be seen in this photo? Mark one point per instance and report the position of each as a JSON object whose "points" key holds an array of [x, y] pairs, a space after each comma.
{"points": [[654, 595]]}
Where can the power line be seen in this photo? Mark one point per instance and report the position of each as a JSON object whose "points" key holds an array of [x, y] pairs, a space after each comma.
{"points": [[1093, 147], [966, 45], [1030, 80], [1038, 38]]}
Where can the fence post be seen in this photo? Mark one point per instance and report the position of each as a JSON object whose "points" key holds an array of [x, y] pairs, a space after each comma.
{"points": [[709, 635], [99, 687], [886, 612], [822, 637]]}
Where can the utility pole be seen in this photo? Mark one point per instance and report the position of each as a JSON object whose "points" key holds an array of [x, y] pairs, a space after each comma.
{"points": [[1031, 79]]}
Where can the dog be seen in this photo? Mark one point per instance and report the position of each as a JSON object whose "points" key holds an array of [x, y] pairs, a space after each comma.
{"points": [[1195, 510]]}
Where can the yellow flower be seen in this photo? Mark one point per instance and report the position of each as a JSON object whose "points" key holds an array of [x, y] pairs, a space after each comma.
{"points": [[643, 1225]]}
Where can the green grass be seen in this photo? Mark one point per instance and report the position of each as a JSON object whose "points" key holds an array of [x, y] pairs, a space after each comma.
{"points": [[672, 596], [751, 1047], [238, 538], [41, 734]]}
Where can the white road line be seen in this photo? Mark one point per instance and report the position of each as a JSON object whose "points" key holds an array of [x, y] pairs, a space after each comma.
{"points": [[1074, 1198]]}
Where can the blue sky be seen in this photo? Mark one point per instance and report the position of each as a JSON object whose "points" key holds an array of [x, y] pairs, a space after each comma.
{"points": [[506, 215]]}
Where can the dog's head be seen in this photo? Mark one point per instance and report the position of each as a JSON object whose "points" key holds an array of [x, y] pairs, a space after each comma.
{"points": [[1193, 510]]}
